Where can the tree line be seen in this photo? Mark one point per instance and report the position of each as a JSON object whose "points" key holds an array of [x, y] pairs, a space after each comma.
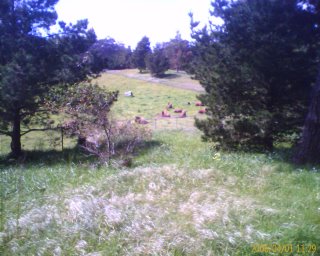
{"points": [[38, 66], [174, 54]]}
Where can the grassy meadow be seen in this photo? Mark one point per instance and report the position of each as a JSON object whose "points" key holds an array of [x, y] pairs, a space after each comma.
{"points": [[149, 98], [180, 197], [172, 78]]}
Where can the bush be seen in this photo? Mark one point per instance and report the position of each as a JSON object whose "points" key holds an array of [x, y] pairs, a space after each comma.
{"points": [[117, 140], [235, 132], [88, 108]]}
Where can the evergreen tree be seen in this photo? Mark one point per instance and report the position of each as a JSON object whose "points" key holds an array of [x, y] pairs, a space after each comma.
{"points": [[178, 52], [32, 62], [108, 54], [157, 62], [308, 148], [257, 69], [129, 58], [141, 52]]}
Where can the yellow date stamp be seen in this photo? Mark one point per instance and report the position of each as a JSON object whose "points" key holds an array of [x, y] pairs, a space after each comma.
{"points": [[284, 248]]}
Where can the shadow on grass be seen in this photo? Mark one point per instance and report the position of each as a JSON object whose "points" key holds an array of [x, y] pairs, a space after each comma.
{"points": [[170, 76], [283, 156], [145, 148], [48, 157], [148, 145], [167, 76], [74, 155], [279, 152], [282, 153]]}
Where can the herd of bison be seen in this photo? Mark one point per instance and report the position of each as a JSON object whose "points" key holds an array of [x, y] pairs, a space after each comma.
{"points": [[166, 114]]}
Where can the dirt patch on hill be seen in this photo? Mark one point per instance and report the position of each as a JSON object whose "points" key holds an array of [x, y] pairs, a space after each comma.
{"points": [[174, 79]]}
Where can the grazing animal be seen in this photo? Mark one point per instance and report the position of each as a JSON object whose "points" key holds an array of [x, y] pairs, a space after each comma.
{"points": [[183, 114], [169, 105], [137, 119], [144, 121], [202, 111], [165, 113], [178, 110], [140, 120], [199, 104]]}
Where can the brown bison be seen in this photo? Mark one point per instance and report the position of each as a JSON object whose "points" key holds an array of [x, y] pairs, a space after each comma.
{"points": [[202, 111], [165, 113], [140, 120], [183, 114], [169, 106], [199, 104]]}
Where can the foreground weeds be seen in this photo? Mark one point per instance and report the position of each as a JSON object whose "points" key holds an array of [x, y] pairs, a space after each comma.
{"points": [[180, 198], [138, 212]]}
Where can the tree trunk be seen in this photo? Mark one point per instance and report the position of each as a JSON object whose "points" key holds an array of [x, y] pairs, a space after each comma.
{"points": [[268, 143], [308, 150], [268, 137], [16, 149]]}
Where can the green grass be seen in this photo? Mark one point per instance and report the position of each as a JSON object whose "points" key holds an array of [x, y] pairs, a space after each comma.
{"points": [[38, 141], [149, 98], [172, 78], [181, 197], [179, 191]]}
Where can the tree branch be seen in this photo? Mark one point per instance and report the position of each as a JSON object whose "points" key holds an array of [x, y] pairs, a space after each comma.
{"points": [[38, 130]]}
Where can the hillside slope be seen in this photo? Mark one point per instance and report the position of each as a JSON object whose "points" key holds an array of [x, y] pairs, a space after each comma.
{"points": [[180, 197]]}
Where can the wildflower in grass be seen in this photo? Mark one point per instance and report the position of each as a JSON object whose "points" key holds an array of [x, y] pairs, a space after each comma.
{"points": [[217, 156], [152, 186]]}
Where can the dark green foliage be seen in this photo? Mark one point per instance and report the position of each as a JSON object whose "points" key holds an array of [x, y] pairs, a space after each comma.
{"points": [[257, 69], [157, 61], [108, 54], [32, 61], [309, 147], [178, 52], [140, 53]]}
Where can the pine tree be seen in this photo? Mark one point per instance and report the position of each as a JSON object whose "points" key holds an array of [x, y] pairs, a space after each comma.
{"points": [[157, 61], [178, 52], [141, 52], [108, 54], [308, 149], [33, 61], [257, 69]]}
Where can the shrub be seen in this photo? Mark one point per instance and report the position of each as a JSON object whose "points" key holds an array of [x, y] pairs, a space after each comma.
{"points": [[114, 139]]}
